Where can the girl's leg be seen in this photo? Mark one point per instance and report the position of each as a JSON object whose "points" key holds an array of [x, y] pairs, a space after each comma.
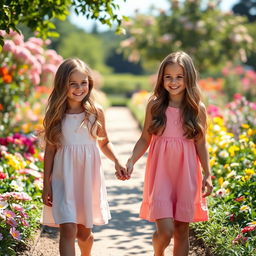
{"points": [[162, 236], [67, 239], [85, 239], [181, 238]]}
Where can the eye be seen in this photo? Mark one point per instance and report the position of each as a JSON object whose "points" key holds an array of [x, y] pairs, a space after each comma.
{"points": [[180, 77], [73, 84]]}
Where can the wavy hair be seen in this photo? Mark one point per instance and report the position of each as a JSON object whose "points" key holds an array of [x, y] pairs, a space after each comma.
{"points": [[190, 107], [58, 104]]}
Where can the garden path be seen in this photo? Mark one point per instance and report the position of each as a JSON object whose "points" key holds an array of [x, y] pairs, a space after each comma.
{"points": [[126, 234]]}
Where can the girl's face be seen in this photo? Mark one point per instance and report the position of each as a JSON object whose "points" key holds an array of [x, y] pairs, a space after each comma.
{"points": [[78, 85], [173, 80]]}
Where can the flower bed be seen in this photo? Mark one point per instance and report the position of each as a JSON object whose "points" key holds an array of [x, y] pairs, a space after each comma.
{"points": [[20, 190]]}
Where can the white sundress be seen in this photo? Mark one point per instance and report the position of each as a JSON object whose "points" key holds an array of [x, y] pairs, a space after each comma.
{"points": [[78, 186]]}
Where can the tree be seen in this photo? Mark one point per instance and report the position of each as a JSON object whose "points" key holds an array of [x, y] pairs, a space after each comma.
{"points": [[38, 14], [247, 8], [209, 35]]}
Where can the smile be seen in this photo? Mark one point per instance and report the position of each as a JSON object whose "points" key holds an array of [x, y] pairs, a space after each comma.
{"points": [[173, 87], [78, 94]]}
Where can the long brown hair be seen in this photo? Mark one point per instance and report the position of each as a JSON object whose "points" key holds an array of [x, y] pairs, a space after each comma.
{"points": [[192, 125], [57, 102]]}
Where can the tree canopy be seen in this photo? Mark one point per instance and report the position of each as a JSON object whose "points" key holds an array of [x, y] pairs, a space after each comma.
{"points": [[38, 14], [200, 28]]}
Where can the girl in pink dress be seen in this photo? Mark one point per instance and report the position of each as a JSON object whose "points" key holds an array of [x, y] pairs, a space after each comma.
{"points": [[74, 193], [175, 127]]}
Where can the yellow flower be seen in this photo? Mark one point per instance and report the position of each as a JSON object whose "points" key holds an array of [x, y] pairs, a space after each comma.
{"points": [[245, 126], [245, 178], [220, 181], [253, 223], [249, 171], [251, 132], [212, 161], [243, 138], [244, 208], [233, 149]]}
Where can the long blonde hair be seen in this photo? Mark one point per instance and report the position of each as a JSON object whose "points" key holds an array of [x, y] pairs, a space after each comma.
{"points": [[192, 125], [57, 102]]}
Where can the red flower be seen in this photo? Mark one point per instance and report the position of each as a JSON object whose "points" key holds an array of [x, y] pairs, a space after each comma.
{"points": [[7, 79], [3, 71], [232, 217], [2, 175], [247, 229], [239, 199]]}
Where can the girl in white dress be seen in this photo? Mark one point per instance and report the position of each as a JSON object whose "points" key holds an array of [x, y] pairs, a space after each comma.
{"points": [[74, 193]]}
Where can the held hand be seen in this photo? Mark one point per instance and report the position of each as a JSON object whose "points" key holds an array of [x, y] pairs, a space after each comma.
{"points": [[120, 173], [47, 195], [207, 186], [129, 166]]}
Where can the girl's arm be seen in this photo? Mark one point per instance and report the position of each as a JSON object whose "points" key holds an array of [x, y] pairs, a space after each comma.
{"points": [[49, 154], [202, 152], [107, 147], [143, 142]]}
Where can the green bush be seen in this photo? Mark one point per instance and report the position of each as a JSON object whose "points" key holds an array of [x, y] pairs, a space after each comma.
{"points": [[125, 84]]}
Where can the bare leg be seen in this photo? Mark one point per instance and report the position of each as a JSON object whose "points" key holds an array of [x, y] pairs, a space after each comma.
{"points": [[67, 239], [162, 236], [181, 238], [85, 239]]}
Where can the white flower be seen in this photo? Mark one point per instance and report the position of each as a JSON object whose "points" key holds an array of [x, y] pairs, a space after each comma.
{"points": [[224, 184], [234, 164], [221, 192], [3, 205], [231, 174], [223, 154]]}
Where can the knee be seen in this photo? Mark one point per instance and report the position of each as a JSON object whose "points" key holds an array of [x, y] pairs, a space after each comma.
{"points": [[68, 230], [85, 236], [181, 232], [165, 236]]}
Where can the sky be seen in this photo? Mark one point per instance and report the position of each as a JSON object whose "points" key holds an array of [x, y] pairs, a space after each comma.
{"points": [[128, 7]]}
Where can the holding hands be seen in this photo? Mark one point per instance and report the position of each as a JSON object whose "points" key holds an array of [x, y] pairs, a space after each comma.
{"points": [[124, 173]]}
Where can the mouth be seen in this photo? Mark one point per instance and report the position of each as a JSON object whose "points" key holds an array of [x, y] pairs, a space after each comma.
{"points": [[173, 87], [78, 94]]}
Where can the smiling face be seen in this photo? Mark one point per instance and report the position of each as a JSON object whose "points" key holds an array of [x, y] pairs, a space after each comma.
{"points": [[174, 80], [78, 87]]}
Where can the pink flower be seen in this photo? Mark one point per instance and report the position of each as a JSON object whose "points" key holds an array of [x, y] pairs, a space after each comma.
{"points": [[34, 48], [2, 33], [17, 207], [18, 39], [50, 68], [35, 40], [15, 234], [237, 96], [12, 222], [25, 223], [35, 78], [9, 46], [239, 239], [248, 229], [9, 214], [23, 215]]}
